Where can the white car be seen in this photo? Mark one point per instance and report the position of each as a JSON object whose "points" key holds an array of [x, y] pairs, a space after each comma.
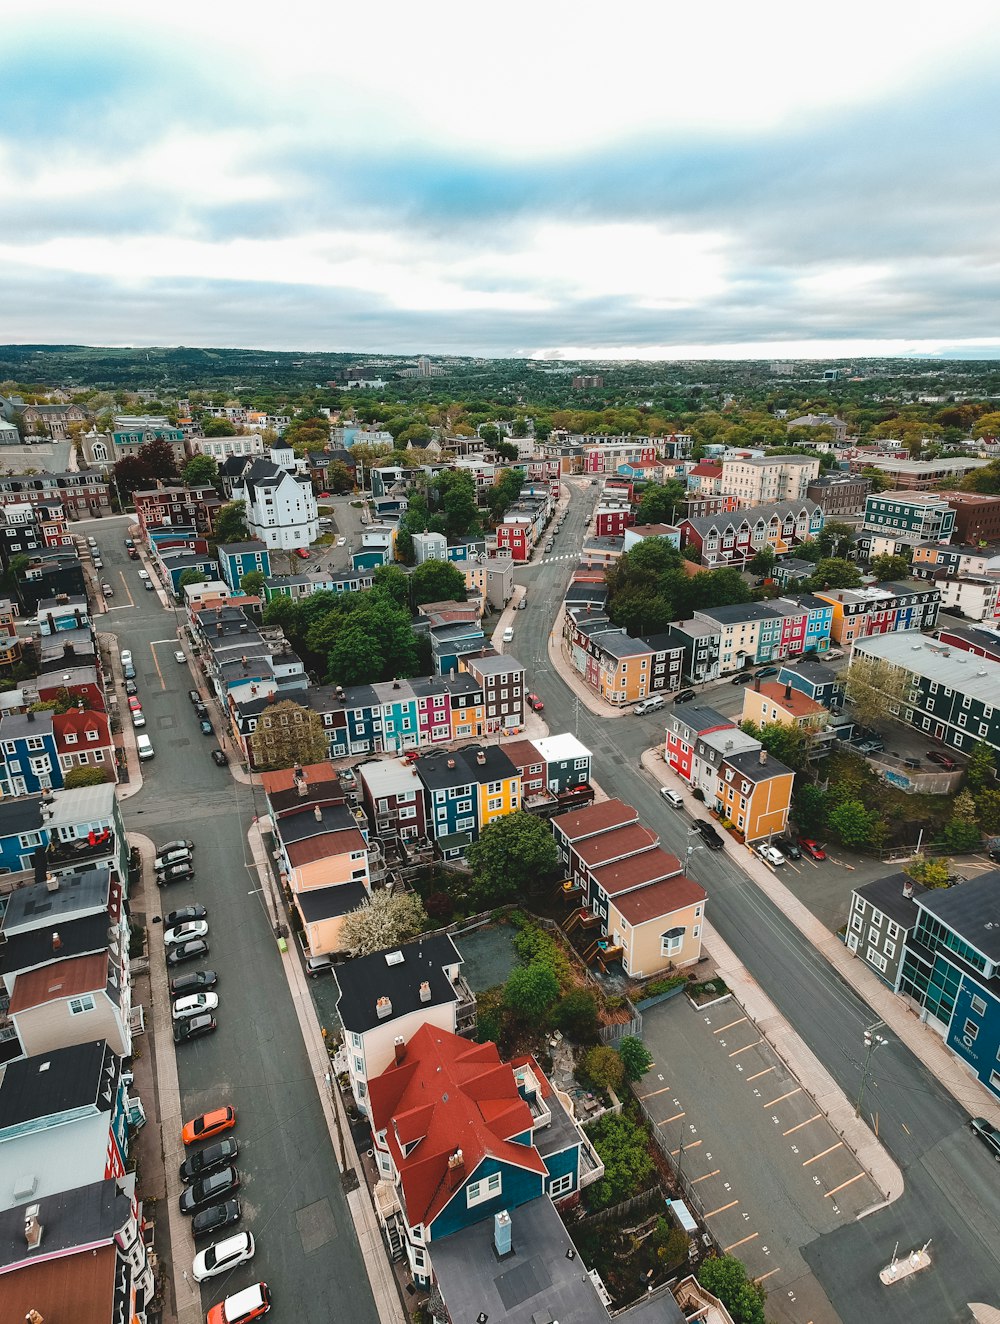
{"points": [[91, 542], [771, 855], [341, 542], [144, 747], [179, 656], [175, 855], [193, 1005], [198, 928], [125, 657], [508, 634], [648, 705], [672, 797], [137, 719], [143, 575], [223, 1256]]}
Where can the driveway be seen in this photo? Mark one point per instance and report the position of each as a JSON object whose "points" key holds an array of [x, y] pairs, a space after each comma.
{"points": [[292, 1197]]}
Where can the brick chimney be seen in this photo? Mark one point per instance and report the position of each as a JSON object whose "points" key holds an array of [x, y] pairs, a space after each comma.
{"points": [[425, 991], [33, 1229], [456, 1169], [399, 1048], [56, 942], [383, 1008]]}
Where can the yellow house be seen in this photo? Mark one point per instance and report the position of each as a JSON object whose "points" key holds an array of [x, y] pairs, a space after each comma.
{"points": [[498, 797], [754, 793], [767, 702], [657, 926]]}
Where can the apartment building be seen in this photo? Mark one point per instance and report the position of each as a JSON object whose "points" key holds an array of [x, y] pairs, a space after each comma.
{"points": [[974, 596], [919, 475], [732, 539], [935, 561], [280, 504], [757, 480], [883, 914], [909, 517], [838, 495]]}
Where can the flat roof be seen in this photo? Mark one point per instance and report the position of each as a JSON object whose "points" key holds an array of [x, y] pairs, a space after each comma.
{"points": [[942, 664], [36, 906], [972, 909], [82, 805], [367, 978], [555, 749], [79, 1217], [33, 947], [390, 777], [300, 827], [319, 903], [748, 764], [54, 1082]]}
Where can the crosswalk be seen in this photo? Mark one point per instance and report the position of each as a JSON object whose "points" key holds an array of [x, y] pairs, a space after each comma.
{"points": [[550, 560]]}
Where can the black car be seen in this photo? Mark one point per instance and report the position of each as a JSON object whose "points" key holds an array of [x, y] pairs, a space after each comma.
{"points": [[219, 759], [789, 849], [744, 678], [199, 709], [684, 696], [215, 1218], [192, 950], [131, 688], [208, 1159], [709, 835], [206, 726], [209, 1189], [766, 671], [194, 1027], [194, 696], [183, 916], [148, 585], [198, 981], [174, 873]]}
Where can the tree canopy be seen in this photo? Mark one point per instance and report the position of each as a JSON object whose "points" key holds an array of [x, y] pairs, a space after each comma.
{"points": [[154, 459], [648, 588], [231, 523], [286, 734], [437, 581], [385, 920], [513, 855], [200, 471]]}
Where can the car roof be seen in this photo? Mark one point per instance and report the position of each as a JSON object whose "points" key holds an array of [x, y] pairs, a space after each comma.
{"points": [[243, 1301]]}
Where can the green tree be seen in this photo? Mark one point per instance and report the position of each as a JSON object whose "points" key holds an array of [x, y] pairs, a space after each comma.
{"points": [[661, 503], [988, 806], [513, 855], [253, 583], [489, 433], [385, 920], [726, 1277], [339, 478], [763, 562], [887, 568], [636, 1057], [835, 538], [930, 873], [788, 744], [393, 582], [191, 576], [962, 832], [506, 449], [576, 1015], [874, 688], [286, 734], [811, 806], [231, 523], [604, 1067], [218, 427], [855, 825], [624, 1150], [504, 492], [437, 581], [456, 494], [880, 481], [84, 776], [834, 572], [981, 769], [987, 425], [200, 471], [530, 991]]}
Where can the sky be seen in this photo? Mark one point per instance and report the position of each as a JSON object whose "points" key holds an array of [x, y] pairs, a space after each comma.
{"points": [[530, 179]]}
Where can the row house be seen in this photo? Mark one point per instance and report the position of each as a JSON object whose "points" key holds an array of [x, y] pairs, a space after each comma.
{"points": [[936, 561], [66, 611], [977, 516], [81, 495], [638, 533], [83, 740], [839, 494], [882, 916], [909, 517], [393, 798], [612, 518], [490, 578], [734, 539], [982, 641], [754, 793], [618, 667], [816, 681], [859, 613], [686, 725], [26, 528], [555, 773], [647, 915], [237, 559], [522, 526], [30, 759], [766, 703], [699, 642], [80, 1254], [501, 678], [64, 965], [750, 632], [947, 696], [177, 506], [298, 587], [10, 643], [174, 563], [466, 790], [761, 480], [705, 479]]}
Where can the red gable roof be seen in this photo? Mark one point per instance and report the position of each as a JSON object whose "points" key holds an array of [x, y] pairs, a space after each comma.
{"points": [[446, 1095], [706, 470], [79, 724]]}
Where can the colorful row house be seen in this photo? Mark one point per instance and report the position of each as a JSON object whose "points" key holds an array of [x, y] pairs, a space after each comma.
{"points": [[618, 667], [859, 613], [733, 539]]}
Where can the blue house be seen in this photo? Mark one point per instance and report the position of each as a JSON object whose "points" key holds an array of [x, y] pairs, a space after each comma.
{"points": [[400, 724], [237, 559], [357, 722], [29, 754], [22, 832], [815, 680], [467, 1136], [951, 968]]}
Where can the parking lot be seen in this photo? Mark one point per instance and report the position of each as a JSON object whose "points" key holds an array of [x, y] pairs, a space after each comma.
{"points": [[766, 1169]]}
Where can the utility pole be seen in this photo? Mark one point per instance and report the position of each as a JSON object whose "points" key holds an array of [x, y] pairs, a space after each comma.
{"points": [[872, 1042]]}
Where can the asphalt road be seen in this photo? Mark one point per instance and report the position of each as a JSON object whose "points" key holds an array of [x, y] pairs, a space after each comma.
{"points": [[291, 1190], [952, 1191]]}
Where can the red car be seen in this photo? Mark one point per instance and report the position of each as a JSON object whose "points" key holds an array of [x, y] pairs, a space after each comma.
{"points": [[134, 704], [812, 848], [535, 703], [301, 551]]}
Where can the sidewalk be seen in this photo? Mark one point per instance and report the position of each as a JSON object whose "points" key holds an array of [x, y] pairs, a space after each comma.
{"points": [[108, 643], [901, 1020], [572, 677]]}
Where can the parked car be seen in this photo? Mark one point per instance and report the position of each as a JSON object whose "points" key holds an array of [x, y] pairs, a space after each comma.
{"points": [[184, 915], [135, 704], [194, 1004], [549, 545], [131, 688], [107, 590], [205, 726], [209, 1189], [206, 1160], [219, 758], [942, 760], [649, 705], [195, 982], [193, 1027], [771, 855], [788, 848], [129, 543], [175, 855], [133, 554], [988, 1134], [207, 1125], [812, 848], [179, 655], [179, 844], [709, 835], [535, 703], [508, 634], [215, 1218], [672, 797], [684, 696], [175, 873], [243, 1307], [869, 746], [222, 1256], [98, 563], [126, 657], [193, 950], [744, 678], [138, 718], [318, 965], [302, 553], [144, 747], [194, 696], [148, 585], [143, 575], [128, 671], [833, 653], [196, 928], [766, 671], [341, 542], [91, 542], [200, 710]]}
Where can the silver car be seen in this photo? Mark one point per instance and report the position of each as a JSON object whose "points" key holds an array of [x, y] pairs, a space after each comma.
{"points": [[176, 855]]}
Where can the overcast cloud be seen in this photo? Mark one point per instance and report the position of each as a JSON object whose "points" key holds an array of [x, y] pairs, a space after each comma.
{"points": [[519, 179]]}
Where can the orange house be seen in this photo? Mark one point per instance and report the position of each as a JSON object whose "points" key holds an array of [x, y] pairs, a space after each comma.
{"points": [[768, 702], [755, 794]]}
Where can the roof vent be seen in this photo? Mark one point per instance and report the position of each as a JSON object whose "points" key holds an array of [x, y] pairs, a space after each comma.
{"points": [[383, 1008], [425, 991], [394, 958]]}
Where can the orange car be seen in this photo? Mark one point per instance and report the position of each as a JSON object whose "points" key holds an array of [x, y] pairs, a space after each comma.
{"points": [[208, 1125]]}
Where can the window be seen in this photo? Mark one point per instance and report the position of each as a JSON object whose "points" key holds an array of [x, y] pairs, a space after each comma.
{"points": [[561, 1185], [890, 950], [671, 942], [478, 1191], [970, 1029], [857, 922], [359, 1066], [892, 930], [876, 959], [70, 737], [81, 1004], [978, 1006]]}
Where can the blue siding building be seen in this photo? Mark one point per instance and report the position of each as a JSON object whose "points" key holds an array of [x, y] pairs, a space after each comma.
{"points": [[237, 559], [29, 753]]}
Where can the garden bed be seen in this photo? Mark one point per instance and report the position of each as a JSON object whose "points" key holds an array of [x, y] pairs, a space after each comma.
{"points": [[632, 1252], [709, 991]]}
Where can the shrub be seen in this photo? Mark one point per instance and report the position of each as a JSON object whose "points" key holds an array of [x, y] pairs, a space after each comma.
{"points": [[83, 776], [624, 1152], [657, 986], [530, 991], [576, 1015], [440, 906], [726, 1277], [636, 1057], [603, 1067], [534, 947]]}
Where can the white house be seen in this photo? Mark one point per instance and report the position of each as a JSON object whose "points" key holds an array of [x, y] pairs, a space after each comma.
{"points": [[386, 997], [281, 507]]}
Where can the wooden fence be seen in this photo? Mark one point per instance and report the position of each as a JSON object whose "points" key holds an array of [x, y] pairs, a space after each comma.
{"points": [[646, 1202]]}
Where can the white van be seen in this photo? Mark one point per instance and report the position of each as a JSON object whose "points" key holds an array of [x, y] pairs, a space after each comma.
{"points": [[508, 634], [144, 747], [649, 705]]}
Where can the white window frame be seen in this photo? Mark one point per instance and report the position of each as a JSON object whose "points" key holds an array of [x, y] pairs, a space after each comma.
{"points": [[561, 1185], [83, 1003], [478, 1192]]}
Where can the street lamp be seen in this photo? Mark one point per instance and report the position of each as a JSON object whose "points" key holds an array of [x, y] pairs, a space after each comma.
{"points": [[872, 1042]]}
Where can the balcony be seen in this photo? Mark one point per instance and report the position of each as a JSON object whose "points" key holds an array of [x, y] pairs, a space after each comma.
{"points": [[80, 851]]}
